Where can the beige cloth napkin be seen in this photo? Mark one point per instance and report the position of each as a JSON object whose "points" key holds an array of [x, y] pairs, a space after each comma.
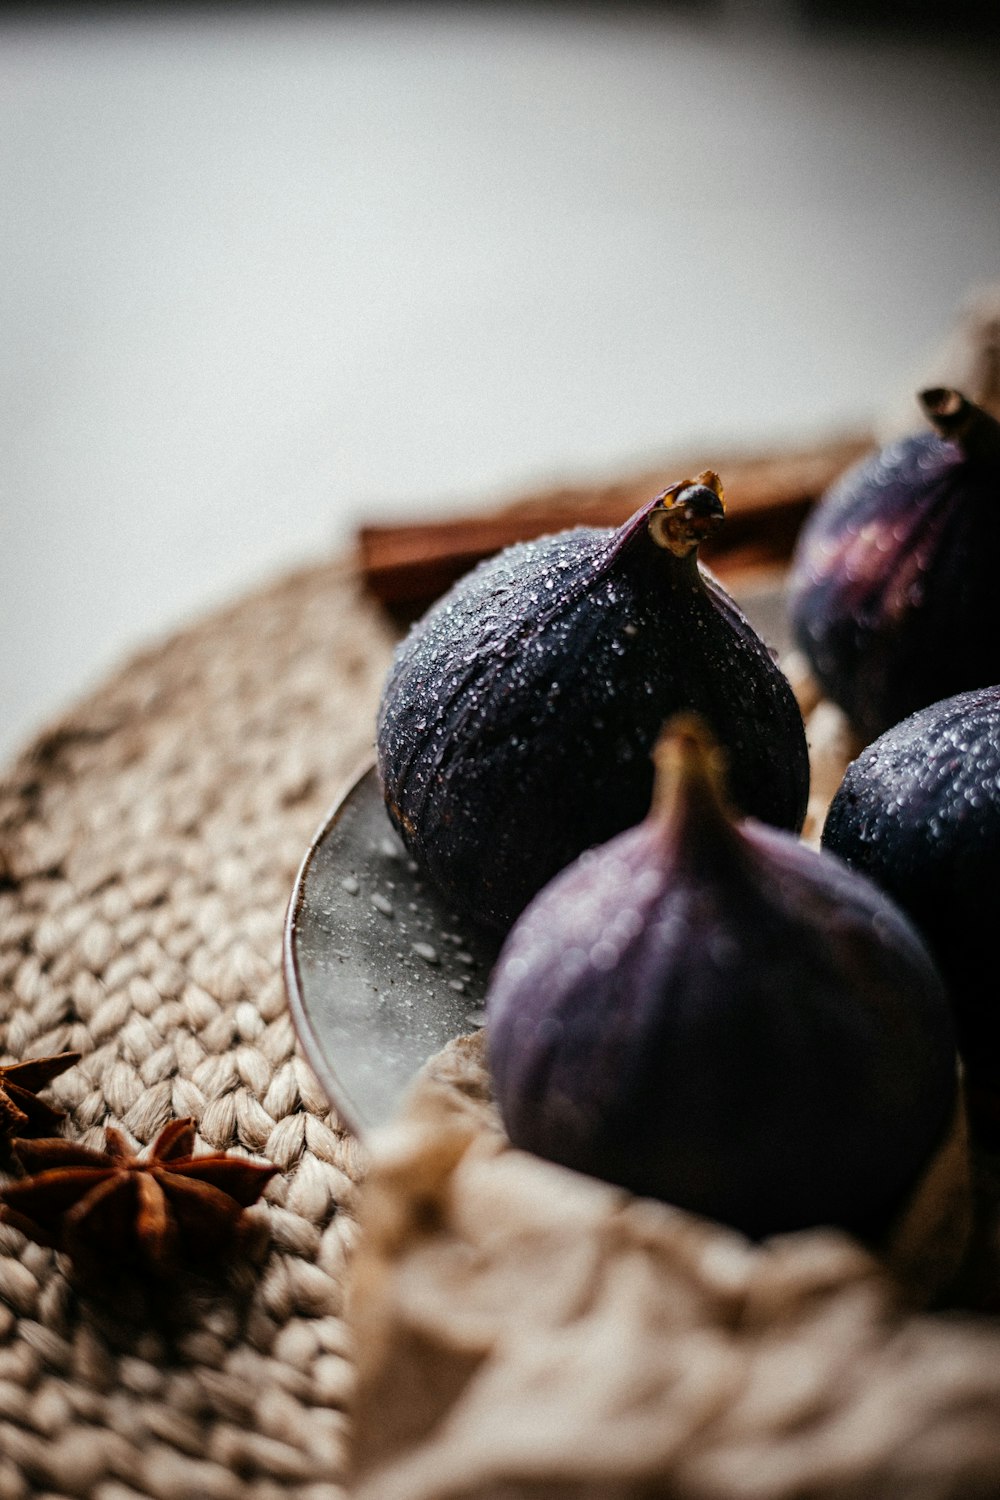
{"points": [[523, 1331]]}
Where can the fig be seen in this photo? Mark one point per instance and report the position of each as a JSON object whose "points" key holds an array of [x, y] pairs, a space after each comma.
{"points": [[893, 579], [919, 812], [710, 1013], [518, 717]]}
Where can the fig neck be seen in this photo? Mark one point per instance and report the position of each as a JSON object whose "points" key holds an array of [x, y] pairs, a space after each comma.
{"points": [[975, 432], [689, 808]]}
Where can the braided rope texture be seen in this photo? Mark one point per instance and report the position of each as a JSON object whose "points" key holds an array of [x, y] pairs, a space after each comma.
{"points": [[148, 844]]}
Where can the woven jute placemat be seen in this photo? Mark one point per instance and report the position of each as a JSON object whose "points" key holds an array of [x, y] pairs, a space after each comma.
{"points": [[148, 843]]}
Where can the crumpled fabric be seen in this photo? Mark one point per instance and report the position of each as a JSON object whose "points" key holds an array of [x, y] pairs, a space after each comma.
{"points": [[523, 1331]]}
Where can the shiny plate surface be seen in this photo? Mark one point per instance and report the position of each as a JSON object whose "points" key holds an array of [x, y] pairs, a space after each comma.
{"points": [[380, 974]]}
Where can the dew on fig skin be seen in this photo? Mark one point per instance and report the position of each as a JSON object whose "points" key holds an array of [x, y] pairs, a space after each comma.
{"points": [[383, 904], [351, 885], [427, 952], [532, 681], [919, 811]]}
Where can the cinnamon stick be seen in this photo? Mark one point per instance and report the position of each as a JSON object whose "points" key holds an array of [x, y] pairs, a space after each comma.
{"points": [[409, 564]]}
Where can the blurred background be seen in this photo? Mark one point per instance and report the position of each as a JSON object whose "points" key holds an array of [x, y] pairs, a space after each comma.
{"points": [[267, 272]]}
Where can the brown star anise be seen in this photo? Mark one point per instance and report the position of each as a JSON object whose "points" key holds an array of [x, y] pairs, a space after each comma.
{"points": [[112, 1210], [21, 1112]]}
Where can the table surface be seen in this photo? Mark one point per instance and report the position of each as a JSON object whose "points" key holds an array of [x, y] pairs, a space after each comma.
{"points": [[264, 273]]}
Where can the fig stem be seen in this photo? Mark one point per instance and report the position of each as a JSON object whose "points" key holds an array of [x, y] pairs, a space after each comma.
{"points": [[960, 421], [686, 513]]}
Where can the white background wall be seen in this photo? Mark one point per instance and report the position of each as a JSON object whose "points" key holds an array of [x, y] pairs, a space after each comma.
{"points": [[266, 273]]}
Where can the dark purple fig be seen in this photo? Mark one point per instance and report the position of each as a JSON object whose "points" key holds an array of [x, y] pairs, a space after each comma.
{"points": [[518, 717], [919, 811], [715, 1015], [893, 582]]}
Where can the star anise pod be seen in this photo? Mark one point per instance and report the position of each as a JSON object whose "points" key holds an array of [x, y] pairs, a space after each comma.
{"points": [[22, 1113], [112, 1210]]}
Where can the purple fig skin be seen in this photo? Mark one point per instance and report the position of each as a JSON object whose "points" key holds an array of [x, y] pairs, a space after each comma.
{"points": [[893, 582], [919, 812], [518, 717], [722, 1018]]}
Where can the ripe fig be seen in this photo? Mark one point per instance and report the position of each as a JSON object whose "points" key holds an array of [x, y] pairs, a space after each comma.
{"points": [[919, 812], [714, 1014], [518, 717], [894, 576]]}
